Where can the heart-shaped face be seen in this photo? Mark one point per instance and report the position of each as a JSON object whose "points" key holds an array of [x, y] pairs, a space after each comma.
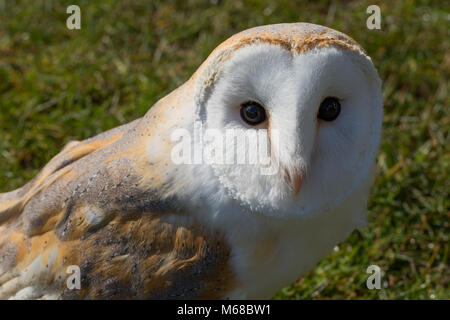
{"points": [[292, 132]]}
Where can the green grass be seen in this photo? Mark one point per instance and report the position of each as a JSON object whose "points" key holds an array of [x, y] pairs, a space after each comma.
{"points": [[58, 85]]}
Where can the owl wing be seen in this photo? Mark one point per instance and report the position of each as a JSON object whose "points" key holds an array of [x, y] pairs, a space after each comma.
{"points": [[90, 213]]}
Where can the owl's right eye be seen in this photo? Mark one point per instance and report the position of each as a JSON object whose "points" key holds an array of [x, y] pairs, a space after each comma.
{"points": [[253, 113]]}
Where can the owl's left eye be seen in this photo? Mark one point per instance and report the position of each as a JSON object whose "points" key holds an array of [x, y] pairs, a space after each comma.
{"points": [[329, 109], [253, 113]]}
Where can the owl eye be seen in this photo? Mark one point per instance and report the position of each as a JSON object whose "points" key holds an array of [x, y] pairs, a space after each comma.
{"points": [[253, 113], [329, 109]]}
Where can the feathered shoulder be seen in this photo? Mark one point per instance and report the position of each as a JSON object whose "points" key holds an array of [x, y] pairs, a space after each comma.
{"points": [[101, 204]]}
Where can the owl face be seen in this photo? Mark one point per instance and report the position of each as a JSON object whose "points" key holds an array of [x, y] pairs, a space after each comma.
{"points": [[318, 115]]}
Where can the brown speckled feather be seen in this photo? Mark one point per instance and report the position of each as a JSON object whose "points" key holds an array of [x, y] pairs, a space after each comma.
{"points": [[88, 208]]}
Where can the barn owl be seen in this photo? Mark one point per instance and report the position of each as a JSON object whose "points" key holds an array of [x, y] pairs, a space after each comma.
{"points": [[140, 225]]}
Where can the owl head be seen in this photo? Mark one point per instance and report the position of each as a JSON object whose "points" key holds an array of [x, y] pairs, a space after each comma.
{"points": [[291, 118]]}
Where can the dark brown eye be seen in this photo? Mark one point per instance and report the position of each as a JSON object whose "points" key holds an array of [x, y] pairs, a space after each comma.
{"points": [[253, 113], [329, 109]]}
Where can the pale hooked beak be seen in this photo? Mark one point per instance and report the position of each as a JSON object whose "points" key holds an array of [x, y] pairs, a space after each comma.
{"points": [[295, 178]]}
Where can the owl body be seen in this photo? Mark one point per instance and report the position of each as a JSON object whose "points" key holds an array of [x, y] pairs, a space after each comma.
{"points": [[140, 225]]}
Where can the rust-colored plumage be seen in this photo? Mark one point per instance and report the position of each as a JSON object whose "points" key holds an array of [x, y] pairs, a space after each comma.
{"points": [[86, 208]]}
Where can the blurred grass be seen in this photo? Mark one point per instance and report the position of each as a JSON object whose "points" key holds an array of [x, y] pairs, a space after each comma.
{"points": [[58, 85]]}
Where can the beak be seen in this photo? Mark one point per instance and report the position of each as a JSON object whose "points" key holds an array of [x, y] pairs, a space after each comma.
{"points": [[295, 178]]}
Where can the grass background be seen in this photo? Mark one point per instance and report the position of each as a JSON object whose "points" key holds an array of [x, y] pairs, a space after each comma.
{"points": [[58, 85]]}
